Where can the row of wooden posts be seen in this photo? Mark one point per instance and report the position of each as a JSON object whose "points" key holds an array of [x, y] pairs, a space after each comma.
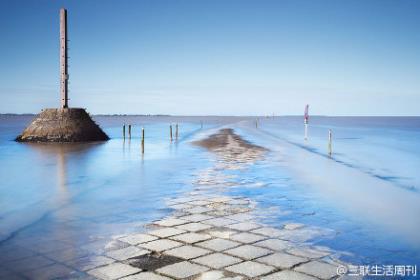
{"points": [[256, 126], [330, 151], [142, 134]]}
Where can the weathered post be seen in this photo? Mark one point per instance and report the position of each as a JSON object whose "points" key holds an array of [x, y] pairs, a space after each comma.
{"points": [[329, 142], [142, 140], [306, 119], [124, 131], [170, 132], [129, 131], [176, 132], [201, 124], [64, 76], [256, 123]]}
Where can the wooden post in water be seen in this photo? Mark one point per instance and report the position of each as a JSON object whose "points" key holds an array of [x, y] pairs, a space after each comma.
{"points": [[201, 124], [329, 142], [129, 131], [306, 120], [170, 132], [176, 132], [124, 131], [142, 140], [256, 123]]}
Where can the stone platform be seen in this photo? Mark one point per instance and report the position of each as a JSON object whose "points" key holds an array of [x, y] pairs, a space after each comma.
{"points": [[62, 125]]}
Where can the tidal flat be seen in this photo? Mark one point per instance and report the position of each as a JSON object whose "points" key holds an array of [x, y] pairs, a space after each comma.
{"points": [[226, 199]]}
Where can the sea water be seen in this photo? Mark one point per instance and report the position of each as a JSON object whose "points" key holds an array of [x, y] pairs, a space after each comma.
{"points": [[79, 195]]}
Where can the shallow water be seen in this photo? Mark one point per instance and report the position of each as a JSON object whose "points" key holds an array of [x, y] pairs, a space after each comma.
{"points": [[78, 195]]}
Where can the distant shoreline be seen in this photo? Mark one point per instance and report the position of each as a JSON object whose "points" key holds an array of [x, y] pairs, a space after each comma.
{"points": [[221, 116]]}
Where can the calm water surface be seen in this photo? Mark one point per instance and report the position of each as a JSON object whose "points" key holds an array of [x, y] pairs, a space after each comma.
{"points": [[62, 202]]}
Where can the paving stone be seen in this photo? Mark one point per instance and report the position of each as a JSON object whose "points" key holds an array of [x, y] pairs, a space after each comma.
{"points": [[222, 233], [211, 275], [170, 222], [288, 275], [217, 260], [293, 226], [194, 227], [113, 271], [241, 217], [238, 202], [274, 244], [218, 244], [196, 217], [246, 237], [127, 253], [115, 245], [197, 210], [268, 231], [137, 238], [318, 269], [146, 276], [166, 232], [181, 206], [182, 270], [307, 253], [250, 269], [219, 222], [281, 260], [88, 263], [248, 252], [199, 202], [244, 226], [191, 237], [161, 245], [187, 252], [220, 199]]}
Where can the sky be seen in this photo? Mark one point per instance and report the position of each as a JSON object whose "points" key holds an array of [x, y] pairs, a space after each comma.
{"points": [[215, 57]]}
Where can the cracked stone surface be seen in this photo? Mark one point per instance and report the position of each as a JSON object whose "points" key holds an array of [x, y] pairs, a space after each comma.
{"points": [[217, 260], [126, 253], [218, 244], [250, 268], [319, 269], [166, 232], [161, 245], [246, 237], [288, 275], [113, 271], [248, 252], [182, 270], [274, 244], [138, 238], [307, 252], [191, 237], [146, 276], [187, 252], [282, 260], [194, 227]]}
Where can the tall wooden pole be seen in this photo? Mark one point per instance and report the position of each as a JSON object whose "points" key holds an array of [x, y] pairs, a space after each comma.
{"points": [[63, 59]]}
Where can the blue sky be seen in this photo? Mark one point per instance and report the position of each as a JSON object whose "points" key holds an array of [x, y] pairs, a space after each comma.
{"points": [[220, 57]]}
